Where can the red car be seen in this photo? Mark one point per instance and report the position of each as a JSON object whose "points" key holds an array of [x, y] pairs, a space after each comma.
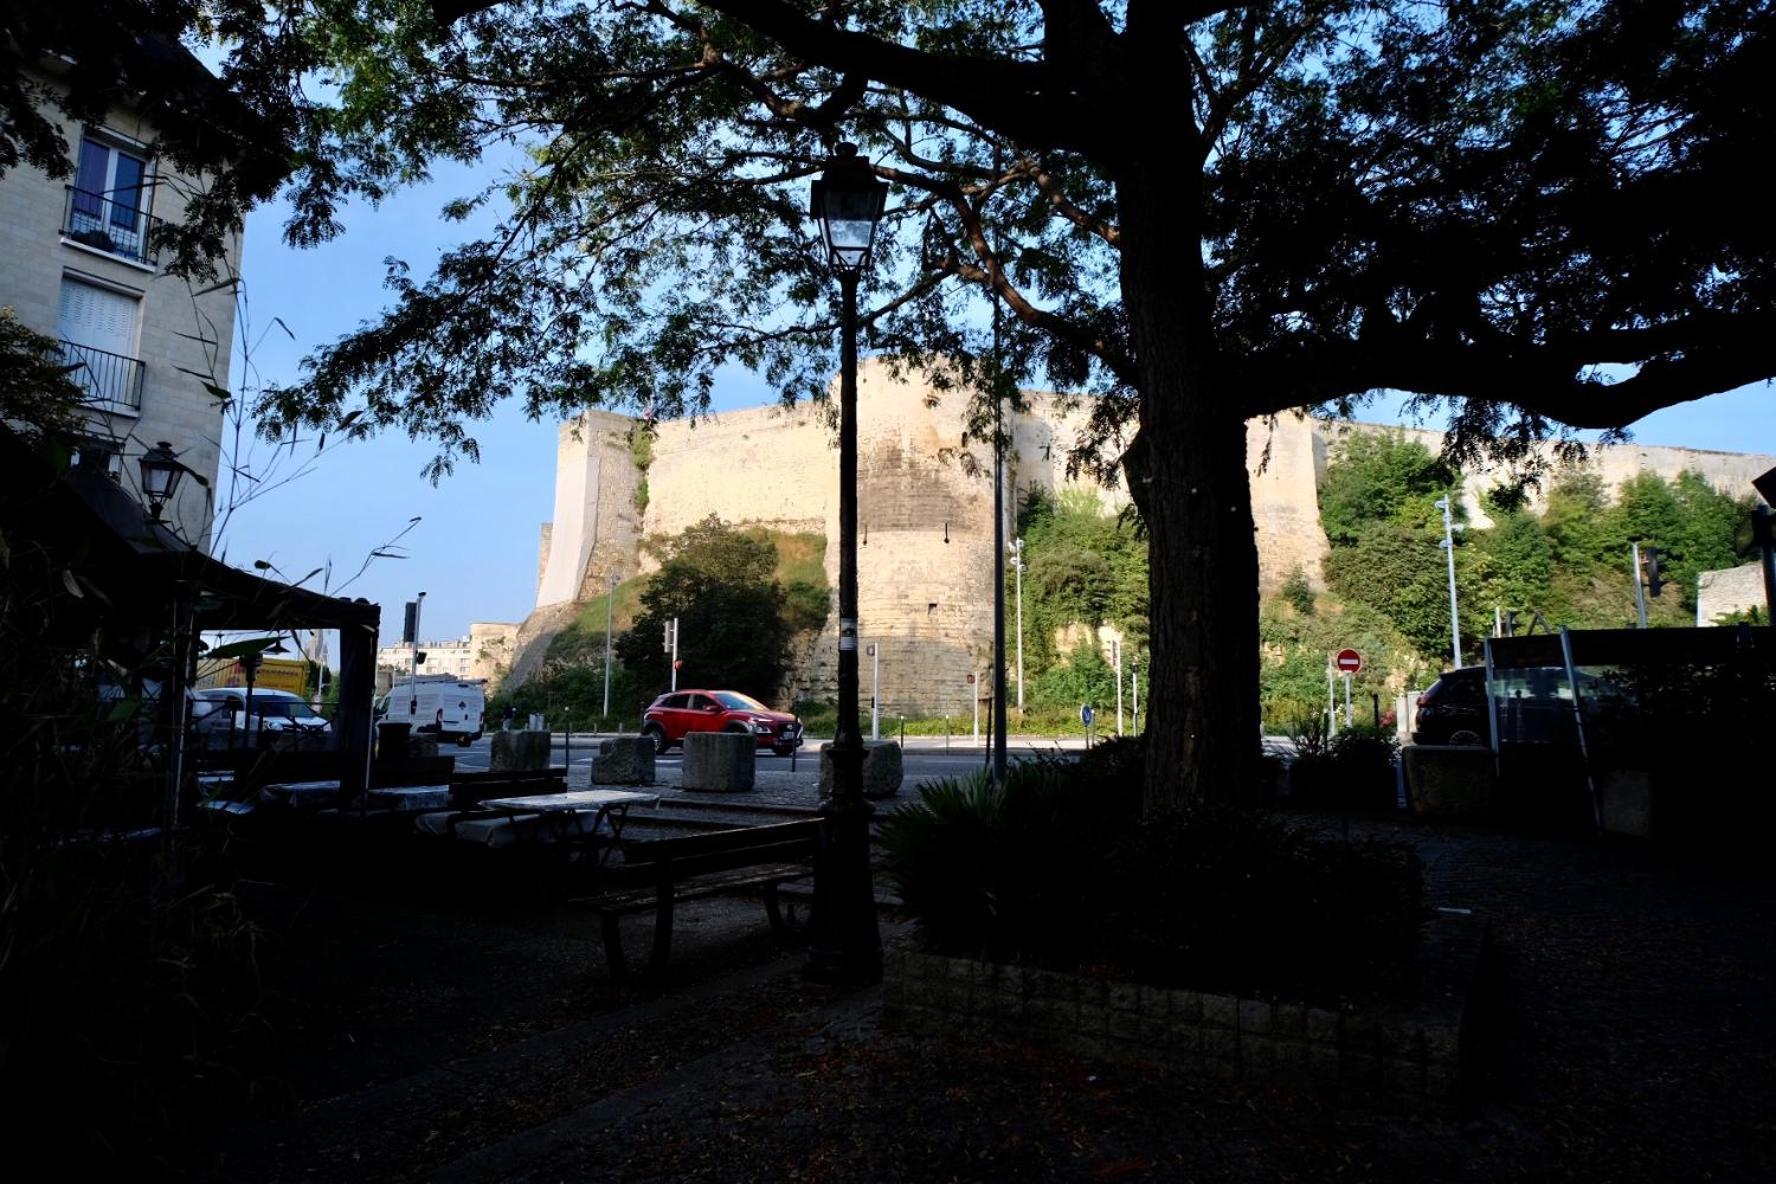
{"points": [[673, 715]]}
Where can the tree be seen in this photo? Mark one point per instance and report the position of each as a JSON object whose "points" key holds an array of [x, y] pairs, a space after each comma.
{"points": [[732, 632], [1375, 478], [1544, 213]]}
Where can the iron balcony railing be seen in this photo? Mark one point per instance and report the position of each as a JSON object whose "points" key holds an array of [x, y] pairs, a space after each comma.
{"points": [[120, 227], [106, 377]]}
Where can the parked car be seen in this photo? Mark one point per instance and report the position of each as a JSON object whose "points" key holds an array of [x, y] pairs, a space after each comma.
{"points": [[1534, 706], [673, 715], [219, 716]]}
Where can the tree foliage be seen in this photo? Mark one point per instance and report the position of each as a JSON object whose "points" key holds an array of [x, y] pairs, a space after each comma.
{"points": [[720, 583], [1543, 212]]}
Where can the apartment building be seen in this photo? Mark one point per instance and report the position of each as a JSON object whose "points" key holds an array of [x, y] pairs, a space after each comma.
{"points": [[79, 263], [486, 653]]}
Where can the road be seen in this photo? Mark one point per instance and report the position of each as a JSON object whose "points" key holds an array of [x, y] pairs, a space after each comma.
{"points": [[926, 756]]}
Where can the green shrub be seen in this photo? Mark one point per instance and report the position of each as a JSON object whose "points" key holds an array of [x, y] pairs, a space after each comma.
{"points": [[1060, 868]]}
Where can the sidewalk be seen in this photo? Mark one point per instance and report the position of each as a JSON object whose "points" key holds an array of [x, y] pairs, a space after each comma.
{"points": [[1637, 1042]]}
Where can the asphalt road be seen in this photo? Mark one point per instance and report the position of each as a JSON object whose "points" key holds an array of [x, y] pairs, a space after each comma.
{"points": [[925, 756]]}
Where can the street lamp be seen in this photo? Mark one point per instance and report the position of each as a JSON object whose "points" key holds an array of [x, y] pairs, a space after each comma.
{"points": [[846, 945], [161, 473], [1448, 545]]}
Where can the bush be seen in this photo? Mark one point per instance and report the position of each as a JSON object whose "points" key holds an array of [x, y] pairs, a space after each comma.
{"points": [[1059, 868], [1349, 770]]}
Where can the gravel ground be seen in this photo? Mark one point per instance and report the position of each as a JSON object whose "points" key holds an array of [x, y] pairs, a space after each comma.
{"points": [[1633, 1040]]}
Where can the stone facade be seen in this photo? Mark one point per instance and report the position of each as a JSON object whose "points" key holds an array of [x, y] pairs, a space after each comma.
{"points": [[170, 331], [1733, 590], [925, 516]]}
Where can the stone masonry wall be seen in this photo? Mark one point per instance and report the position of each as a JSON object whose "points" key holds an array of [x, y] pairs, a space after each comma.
{"points": [[925, 515]]}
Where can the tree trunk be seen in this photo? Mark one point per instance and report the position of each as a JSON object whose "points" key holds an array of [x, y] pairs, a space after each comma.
{"points": [[1202, 711]]}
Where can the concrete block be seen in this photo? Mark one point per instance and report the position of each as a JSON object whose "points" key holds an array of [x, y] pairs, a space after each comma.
{"points": [[883, 769], [720, 762], [1449, 781], [1220, 1011], [624, 760], [1625, 799], [519, 752]]}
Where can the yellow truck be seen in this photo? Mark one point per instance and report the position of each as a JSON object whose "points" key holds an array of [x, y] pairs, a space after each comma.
{"points": [[275, 674]]}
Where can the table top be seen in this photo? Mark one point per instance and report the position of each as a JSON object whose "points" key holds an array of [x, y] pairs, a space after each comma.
{"points": [[295, 787], [578, 799], [415, 797]]}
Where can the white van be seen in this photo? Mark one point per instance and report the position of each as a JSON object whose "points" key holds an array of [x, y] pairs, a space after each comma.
{"points": [[445, 707]]}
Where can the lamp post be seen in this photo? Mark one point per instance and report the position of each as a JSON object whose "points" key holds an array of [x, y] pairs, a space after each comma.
{"points": [[610, 619], [846, 945], [161, 473], [1455, 636]]}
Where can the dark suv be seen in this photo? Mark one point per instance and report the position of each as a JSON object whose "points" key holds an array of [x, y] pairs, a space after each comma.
{"points": [[674, 715], [1534, 706]]}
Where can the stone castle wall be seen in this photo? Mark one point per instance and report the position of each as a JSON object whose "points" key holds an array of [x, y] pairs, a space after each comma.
{"points": [[925, 516]]}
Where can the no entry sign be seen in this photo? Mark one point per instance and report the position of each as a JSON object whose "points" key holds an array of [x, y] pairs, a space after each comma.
{"points": [[1348, 661]]}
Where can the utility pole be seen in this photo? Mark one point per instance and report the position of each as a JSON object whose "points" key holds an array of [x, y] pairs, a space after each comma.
{"points": [[1017, 566], [1447, 505], [610, 620]]}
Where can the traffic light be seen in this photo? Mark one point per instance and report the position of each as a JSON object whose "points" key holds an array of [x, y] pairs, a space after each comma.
{"points": [[419, 657], [410, 623], [1649, 558]]}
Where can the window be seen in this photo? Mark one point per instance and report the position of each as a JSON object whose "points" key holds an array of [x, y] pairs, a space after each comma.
{"points": [[98, 327], [101, 454], [108, 202]]}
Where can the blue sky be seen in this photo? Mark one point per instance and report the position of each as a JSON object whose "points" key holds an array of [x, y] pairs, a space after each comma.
{"points": [[475, 551]]}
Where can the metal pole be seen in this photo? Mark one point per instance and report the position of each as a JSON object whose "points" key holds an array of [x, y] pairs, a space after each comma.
{"points": [[412, 662], [1347, 699], [974, 693], [675, 653], [1498, 620], [1331, 700], [1639, 588], [1135, 693], [1018, 567], [846, 943], [1116, 652], [1447, 505], [875, 650], [1766, 531], [610, 619], [996, 726], [1572, 682]]}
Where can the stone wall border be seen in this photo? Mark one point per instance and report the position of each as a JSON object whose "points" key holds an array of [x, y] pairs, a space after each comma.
{"points": [[1403, 1056]]}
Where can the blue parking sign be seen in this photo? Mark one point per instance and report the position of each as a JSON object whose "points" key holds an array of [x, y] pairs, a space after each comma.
{"points": [[1086, 714]]}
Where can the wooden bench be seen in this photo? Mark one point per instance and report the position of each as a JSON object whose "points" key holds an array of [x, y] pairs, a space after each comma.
{"points": [[658, 873]]}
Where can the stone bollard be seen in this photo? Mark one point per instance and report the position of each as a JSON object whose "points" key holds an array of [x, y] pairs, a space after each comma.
{"points": [[515, 752], [882, 769], [1449, 781], [624, 760], [721, 762]]}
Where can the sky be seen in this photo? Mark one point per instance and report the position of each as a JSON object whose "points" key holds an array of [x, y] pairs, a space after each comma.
{"points": [[474, 550]]}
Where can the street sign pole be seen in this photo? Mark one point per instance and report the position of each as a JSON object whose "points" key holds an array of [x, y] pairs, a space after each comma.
{"points": [[1639, 588], [875, 691], [675, 653], [1116, 650], [1347, 699]]}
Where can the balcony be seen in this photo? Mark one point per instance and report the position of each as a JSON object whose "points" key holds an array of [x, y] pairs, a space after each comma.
{"points": [[116, 227], [109, 380]]}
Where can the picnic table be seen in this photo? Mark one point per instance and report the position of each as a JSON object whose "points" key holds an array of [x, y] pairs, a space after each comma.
{"points": [[543, 817], [301, 795]]}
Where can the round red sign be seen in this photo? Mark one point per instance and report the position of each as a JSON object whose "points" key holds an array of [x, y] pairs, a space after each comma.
{"points": [[1349, 661]]}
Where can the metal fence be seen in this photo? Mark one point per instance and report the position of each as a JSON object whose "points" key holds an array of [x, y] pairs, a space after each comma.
{"points": [[119, 227], [104, 376]]}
